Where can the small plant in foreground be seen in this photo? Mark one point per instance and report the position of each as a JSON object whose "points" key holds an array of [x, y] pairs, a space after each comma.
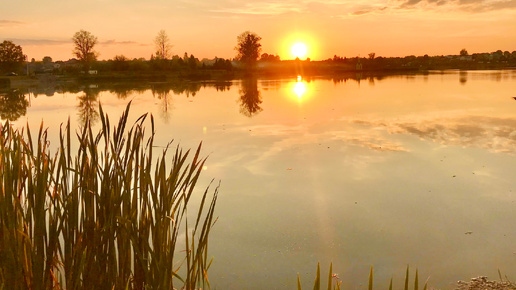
{"points": [[337, 285]]}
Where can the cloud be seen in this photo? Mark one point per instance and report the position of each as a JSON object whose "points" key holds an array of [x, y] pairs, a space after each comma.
{"points": [[263, 8], [368, 10], [7, 23], [293, 136], [29, 41], [361, 12], [490, 133], [114, 42], [464, 5], [500, 5]]}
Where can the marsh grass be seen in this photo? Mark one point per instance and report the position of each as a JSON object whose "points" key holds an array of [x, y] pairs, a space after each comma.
{"points": [[105, 216], [335, 284]]}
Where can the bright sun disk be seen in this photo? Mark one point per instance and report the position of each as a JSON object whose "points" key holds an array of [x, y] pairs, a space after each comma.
{"points": [[299, 50]]}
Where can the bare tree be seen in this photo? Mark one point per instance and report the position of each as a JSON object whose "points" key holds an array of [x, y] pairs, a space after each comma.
{"points": [[163, 46], [248, 48], [84, 43]]}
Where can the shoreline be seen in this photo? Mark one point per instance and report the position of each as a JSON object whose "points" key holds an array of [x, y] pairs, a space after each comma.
{"points": [[22, 82]]}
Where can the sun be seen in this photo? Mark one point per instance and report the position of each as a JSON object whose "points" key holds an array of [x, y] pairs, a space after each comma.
{"points": [[299, 50]]}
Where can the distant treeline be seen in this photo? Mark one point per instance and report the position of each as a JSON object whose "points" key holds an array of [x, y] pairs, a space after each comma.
{"points": [[191, 67], [373, 64], [120, 66]]}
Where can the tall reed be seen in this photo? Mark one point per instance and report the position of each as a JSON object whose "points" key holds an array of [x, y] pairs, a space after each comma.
{"points": [[336, 285], [108, 215]]}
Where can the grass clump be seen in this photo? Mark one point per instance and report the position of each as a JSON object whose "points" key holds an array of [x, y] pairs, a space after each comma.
{"points": [[335, 284], [109, 215]]}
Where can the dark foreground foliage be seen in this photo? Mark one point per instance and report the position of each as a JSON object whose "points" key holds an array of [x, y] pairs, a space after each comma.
{"points": [[108, 215]]}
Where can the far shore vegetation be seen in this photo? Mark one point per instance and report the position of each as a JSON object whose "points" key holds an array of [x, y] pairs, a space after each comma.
{"points": [[249, 59]]}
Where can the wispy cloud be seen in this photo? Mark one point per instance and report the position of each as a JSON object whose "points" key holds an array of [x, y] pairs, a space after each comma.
{"points": [[114, 42], [368, 10], [29, 41], [361, 12], [263, 8], [491, 133], [464, 5], [399, 6], [6, 23]]}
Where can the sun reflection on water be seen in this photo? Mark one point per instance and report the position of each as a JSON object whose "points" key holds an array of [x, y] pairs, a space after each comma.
{"points": [[299, 87]]}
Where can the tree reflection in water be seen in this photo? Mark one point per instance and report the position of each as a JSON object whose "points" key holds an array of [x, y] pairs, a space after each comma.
{"points": [[250, 98], [87, 107], [162, 92], [13, 105]]}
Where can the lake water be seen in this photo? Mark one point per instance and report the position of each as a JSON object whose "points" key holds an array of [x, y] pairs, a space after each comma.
{"points": [[409, 169]]}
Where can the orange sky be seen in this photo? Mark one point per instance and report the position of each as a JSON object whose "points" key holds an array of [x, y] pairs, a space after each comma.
{"points": [[209, 28]]}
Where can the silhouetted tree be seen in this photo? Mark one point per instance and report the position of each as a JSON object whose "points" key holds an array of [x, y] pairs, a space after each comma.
{"points": [[120, 62], [371, 55], [11, 56], [248, 48], [84, 42], [250, 98], [13, 105], [47, 59], [269, 57], [163, 46], [221, 63], [464, 52], [337, 58], [192, 61]]}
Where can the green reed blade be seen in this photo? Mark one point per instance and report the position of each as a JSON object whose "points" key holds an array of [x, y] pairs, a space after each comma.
{"points": [[370, 284], [330, 275], [317, 283], [416, 282], [406, 278]]}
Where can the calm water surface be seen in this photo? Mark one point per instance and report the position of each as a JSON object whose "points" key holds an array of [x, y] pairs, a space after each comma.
{"points": [[413, 169]]}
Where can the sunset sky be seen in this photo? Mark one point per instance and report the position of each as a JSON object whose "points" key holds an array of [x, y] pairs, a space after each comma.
{"points": [[208, 28]]}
